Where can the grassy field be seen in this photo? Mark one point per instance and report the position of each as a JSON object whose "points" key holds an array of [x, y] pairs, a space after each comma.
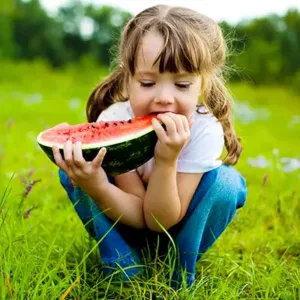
{"points": [[45, 252]]}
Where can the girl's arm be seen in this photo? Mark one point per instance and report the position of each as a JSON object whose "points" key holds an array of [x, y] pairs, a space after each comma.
{"points": [[164, 200], [91, 177], [125, 202], [168, 195]]}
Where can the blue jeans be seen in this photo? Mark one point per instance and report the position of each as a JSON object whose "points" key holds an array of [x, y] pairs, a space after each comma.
{"points": [[218, 196]]}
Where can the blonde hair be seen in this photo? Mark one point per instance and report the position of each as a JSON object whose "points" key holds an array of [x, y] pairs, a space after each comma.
{"points": [[192, 41]]}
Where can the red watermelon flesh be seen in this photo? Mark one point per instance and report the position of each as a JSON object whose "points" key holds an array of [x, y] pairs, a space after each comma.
{"points": [[105, 133]]}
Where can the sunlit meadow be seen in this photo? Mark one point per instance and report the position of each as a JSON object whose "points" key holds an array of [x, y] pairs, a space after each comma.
{"points": [[45, 252]]}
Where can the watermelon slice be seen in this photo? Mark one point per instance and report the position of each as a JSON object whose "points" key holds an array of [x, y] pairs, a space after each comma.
{"points": [[129, 144]]}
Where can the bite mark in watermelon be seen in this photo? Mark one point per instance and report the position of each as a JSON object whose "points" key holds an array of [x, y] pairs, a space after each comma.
{"points": [[129, 144]]}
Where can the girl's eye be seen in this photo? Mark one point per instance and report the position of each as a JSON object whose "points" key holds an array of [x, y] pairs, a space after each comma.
{"points": [[147, 83], [183, 86]]}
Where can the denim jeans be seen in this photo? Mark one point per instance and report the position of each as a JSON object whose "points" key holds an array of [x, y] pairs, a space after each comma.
{"points": [[218, 196]]}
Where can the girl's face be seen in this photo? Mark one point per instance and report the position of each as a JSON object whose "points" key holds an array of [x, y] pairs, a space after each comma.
{"points": [[151, 91]]}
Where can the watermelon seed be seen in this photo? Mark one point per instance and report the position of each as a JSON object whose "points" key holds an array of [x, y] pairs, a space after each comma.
{"points": [[129, 121], [122, 122], [106, 124], [115, 124], [93, 126]]}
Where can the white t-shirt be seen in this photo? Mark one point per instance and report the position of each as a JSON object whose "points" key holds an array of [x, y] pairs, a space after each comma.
{"points": [[201, 154]]}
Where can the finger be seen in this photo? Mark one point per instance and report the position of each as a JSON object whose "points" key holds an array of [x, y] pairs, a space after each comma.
{"points": [[170, 125], [58, 159], [68, 153], [77, 155], [159, 130], [182, 128], [186, 128], [187, 123], [178, 120], [191, 121], [97, 162]]}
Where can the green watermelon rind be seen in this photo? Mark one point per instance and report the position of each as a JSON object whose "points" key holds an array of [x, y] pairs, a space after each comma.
{"points": [[122, 155]]}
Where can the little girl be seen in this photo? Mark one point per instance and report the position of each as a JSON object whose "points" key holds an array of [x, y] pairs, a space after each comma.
{"points": [[170, 62]]}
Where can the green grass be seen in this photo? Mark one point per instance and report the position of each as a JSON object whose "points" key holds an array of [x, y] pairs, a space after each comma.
{"points": [[45, 253]]}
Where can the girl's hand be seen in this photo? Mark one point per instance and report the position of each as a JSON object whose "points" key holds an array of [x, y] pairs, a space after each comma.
{"points": [[77, 168], [171, 141]]}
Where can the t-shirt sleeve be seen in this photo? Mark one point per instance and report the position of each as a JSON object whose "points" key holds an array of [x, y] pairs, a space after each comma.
{"points": [[202, 152], [116, 112]]}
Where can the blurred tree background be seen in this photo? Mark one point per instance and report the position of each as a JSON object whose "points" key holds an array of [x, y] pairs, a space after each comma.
{"points": [[264, 50]]}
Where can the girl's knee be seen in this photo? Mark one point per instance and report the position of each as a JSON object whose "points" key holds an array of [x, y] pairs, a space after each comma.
{"points": [[232, 188], [224, 207]]}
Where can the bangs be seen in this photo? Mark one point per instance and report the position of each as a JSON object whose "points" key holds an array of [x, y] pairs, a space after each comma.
{"points": [[181, 51]]}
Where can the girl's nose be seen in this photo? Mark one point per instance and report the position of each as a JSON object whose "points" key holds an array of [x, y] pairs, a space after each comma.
{"points": [[164, 97]]}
